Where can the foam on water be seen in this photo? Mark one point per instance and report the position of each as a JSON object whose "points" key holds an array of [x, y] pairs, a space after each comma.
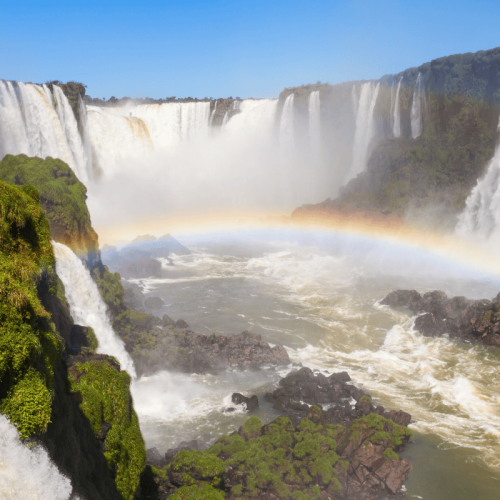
{"points": [[329, 317]]}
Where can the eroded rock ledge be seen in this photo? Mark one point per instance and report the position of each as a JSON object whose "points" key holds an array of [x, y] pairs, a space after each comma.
{"points": [[477, 320]]}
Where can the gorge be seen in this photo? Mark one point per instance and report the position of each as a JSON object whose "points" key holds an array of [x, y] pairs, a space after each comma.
{"points": [[415, 151]]}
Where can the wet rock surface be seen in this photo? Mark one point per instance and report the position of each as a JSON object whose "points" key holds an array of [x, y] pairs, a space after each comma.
{"points": [[341, 401], [251, 403], [166, 344], [477, 320], [355, 442]]}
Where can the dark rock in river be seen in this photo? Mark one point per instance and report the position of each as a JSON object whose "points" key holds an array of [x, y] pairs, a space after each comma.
{"points": [[342, 402], [251, 403], [167, 321], [133, 297], [459, 317]]}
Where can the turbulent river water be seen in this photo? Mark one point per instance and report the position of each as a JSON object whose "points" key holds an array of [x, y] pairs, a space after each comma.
{"points": [[318, 295]]}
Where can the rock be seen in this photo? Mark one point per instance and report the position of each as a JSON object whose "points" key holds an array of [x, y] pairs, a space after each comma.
{"points": [[180, 323], [79, 336], [133, 297], [167, 321], [301, 389], [477, 320], [183, 445], [153, 303], [251, 403], [155, 458]]}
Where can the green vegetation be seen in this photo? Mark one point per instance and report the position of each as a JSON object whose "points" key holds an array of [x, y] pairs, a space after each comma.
{"points": [[280, 458], [434, 172], [62, 197], [106, 399], [71, 90], [197, 492], [94, 343], [111, 289], [29, 344]]}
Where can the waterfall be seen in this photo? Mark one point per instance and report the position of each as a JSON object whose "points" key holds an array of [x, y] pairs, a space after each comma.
{"points": [[124, 132], [365, 129], [87, 146], [225, 119], [28, 473], [416, 108], [314, 120], [481, 215], [396, 126], [36, 122], [70, 129], [115, 137], [286, 136], [86, 305], [213, 114]]}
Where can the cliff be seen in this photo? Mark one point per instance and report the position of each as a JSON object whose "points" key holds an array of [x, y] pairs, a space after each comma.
{"points": [[62, 197], [34, 387], [78, 406], [420, 172]]}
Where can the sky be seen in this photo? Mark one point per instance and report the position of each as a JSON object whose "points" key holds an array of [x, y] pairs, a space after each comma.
{"points": [[240, 48]]}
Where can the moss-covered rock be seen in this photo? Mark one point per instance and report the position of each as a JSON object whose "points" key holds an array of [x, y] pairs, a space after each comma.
{"points": [[29, 344], [107, 403], [62, 197]]}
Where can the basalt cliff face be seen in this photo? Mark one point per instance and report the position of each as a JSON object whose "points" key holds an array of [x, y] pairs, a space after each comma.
{"points": [[428, 135]]}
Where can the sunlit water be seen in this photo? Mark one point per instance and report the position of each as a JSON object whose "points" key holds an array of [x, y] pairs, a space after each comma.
{"points": [[319, 297]]}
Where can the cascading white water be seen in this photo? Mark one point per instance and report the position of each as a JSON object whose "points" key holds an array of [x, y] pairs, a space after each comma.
{"points": [[213, 113], [481, 215], [314, 120], [365, 129], [86, 305], [115, 137], [73, 137], [127, 132], [37, 123], [28, 473], [225, 119], [396, 125], [416, 108], [287, 127], [87, 146]]}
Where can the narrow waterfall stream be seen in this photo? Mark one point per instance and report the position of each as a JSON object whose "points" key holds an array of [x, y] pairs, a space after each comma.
{"points": [[86, 305]]}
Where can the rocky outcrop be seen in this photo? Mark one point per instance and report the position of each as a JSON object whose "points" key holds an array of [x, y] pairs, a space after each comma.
{"points": [[477, 320], [250, 403], [342, 402], [350, 454], [167, 345]]}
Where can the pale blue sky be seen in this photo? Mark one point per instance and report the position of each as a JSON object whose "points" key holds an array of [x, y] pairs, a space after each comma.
{"points": [[239, 48]]}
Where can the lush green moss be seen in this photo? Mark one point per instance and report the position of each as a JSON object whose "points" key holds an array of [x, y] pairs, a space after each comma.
{"points": [[197, 492], [280, 458], [365, 398], [62, 197], [106, 398], [29, 345], [94, 343]]}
